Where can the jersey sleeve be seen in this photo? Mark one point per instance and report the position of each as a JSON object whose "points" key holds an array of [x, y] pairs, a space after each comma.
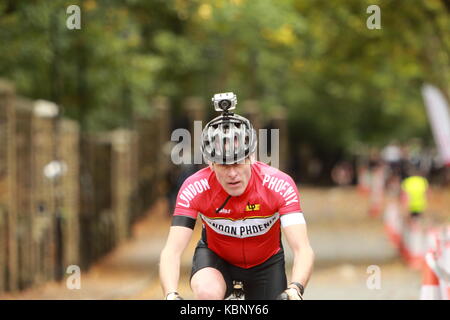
{"points": [[290, 209], [186, 208], [289, 197]]}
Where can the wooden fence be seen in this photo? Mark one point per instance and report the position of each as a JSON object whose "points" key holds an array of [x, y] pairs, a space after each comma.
{"points": [[67, 198]]}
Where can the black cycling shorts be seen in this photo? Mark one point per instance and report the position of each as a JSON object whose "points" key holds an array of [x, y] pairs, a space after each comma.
{"points": [[262, 282]]}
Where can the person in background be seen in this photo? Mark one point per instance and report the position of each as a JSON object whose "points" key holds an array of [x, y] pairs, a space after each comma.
{"points": [[415, 193], [392, 156]]}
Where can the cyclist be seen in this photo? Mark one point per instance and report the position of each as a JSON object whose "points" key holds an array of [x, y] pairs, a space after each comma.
{"points": [[243, 205]]}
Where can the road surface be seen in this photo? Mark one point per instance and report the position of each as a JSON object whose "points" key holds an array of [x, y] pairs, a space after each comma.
{"points": [[349, 245]]}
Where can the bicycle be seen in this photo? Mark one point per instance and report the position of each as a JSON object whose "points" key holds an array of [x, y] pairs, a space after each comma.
{"points": [[238, 291], [239, 294]]}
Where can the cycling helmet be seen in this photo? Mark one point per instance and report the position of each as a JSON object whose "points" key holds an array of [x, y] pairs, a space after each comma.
{"points": [[228, 138]]}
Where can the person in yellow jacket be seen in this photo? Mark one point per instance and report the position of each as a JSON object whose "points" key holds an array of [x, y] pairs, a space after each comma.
{"points": [[415, 192]]}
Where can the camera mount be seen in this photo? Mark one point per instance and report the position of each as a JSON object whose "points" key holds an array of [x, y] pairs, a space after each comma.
{"points": [[225, 102]]}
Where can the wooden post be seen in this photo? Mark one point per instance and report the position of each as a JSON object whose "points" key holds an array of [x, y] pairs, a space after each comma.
{"points": [[102, 166], [95, 215], [8, 244], [123, 180], [24, 223], [69, 155], [134, 172], [43, 153]]}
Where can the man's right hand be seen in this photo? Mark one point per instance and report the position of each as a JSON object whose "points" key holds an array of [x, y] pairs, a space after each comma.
{"points": [[173, 296]]}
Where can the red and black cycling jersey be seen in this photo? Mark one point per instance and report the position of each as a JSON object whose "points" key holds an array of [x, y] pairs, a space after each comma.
{"points": [[246, 230]]}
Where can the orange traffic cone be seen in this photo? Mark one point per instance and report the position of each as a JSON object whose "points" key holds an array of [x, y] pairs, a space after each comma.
{"points": [[376, 193], [363, 181], [430, 282], [444, 264], [393, 223], [414, 245]]}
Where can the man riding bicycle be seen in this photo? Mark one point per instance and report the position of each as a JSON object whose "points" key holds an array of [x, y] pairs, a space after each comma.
{"points": [[243, 205]]}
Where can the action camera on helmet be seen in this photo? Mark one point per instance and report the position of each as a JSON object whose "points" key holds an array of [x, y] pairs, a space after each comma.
{"points": [[224, 101], [228, 138]]}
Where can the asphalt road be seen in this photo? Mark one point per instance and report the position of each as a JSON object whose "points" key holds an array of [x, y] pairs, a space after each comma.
{"points": [[349, 245]]}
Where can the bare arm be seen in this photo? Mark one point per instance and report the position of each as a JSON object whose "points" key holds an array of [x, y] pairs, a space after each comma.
{"points": [[297, 238], [169, 265]]}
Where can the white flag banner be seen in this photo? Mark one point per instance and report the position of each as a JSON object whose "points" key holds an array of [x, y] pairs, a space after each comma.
{"points": [[438, 115]]}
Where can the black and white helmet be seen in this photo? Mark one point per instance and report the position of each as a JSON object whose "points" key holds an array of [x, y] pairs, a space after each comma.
{"points": [[227, 139]]}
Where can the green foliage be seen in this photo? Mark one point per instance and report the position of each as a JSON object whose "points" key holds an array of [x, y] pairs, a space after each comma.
{"points": [[340, 82]]}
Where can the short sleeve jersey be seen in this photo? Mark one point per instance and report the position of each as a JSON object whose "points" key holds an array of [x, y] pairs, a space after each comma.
{"points": [[246, 231]]}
